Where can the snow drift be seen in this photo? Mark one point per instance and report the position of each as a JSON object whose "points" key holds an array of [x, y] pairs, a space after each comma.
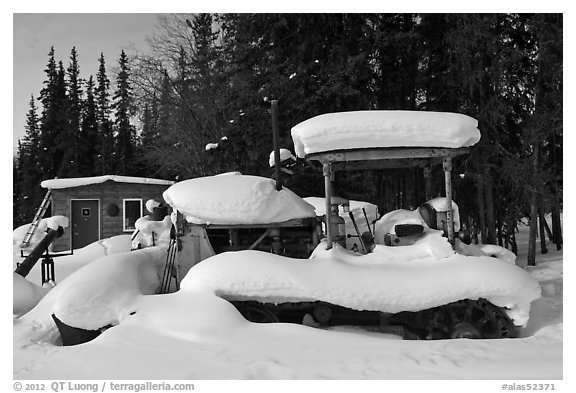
{"points": [[104, 291]]}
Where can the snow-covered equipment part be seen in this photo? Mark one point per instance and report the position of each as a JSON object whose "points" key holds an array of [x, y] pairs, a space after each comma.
{"points": [[364, 213], [103, 293], [385, 139], [27, 294], [286, 156], [42, 247], [432, 292], [151, 232], [337, 222], [402, 227], [426, 288], [384, 128], [54, 228], [238, 212], [435, 214], [151, 204], [235, 199]]}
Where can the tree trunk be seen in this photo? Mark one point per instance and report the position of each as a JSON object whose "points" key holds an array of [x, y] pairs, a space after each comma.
{"points": [[481, 209], [489, 208], [533, 213], [548, 231], [541, 219], [556, 224], [499, 229]]}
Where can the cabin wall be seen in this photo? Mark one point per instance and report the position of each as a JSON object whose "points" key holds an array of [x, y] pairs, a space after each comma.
{"points": [[107, 193]]}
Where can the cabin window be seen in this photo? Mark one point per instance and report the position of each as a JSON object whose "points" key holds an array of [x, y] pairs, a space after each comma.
{"points": [[132, 212]]}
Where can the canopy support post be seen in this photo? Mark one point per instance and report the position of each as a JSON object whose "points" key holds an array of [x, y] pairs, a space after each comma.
{"points": [[447, 165], [326, 171], [428, 183]]}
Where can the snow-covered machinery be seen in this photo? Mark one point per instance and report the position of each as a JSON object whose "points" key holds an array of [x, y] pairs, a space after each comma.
{"points": [[419, 278], [233, 212]]}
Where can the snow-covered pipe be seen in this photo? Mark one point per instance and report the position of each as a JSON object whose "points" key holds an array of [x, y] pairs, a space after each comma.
{"points": [[24, 268]]}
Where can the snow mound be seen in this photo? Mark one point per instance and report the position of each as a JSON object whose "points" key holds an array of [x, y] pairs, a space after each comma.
{"points": [[235, 199], [369, 129], [25, 294], [104, 292], [376, 282]]}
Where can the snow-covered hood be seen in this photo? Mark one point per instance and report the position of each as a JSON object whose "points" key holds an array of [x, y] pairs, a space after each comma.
{"points": [[388, 280], [235, 199]]}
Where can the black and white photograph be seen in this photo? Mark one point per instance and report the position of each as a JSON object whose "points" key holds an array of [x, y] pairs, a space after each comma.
{"points": [[288, 196]]}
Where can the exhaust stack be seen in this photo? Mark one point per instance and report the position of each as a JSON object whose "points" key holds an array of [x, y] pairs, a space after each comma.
{"points": [[276, 141]]}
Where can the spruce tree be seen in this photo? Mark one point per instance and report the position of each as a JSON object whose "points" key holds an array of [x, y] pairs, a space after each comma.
{"points": [[69, 140], [89, 141], [125, 131], [27, 191], [105, 163], [48, 118], [54, 119]]}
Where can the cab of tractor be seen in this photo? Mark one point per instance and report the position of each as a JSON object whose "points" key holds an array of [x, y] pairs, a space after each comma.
{"points": [[439, 215]]}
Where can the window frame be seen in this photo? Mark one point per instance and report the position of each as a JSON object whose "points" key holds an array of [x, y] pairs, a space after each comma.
{"points": [[140, 201]]}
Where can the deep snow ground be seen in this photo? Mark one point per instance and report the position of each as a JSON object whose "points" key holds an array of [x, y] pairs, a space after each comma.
{"points": [[193, 335]]}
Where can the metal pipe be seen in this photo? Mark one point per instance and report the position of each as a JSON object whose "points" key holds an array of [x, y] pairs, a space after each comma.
{"points": [[328, 194], [276, 142], [447, 165], [24, 268]]}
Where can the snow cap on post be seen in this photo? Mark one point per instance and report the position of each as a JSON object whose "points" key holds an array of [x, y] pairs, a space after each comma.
{"points": [[285, 155]]}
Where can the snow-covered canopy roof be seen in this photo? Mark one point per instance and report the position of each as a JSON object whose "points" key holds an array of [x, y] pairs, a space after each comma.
{"points": [[84, 181], [384, 128], [235, 199]]}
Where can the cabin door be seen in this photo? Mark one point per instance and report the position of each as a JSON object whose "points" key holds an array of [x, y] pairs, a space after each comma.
{"points": [[85, 222]]}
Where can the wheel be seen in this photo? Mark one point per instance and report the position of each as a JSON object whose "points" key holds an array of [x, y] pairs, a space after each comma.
{"points": [[471, 319], [465, 330], [322, 313], [256, 312]]}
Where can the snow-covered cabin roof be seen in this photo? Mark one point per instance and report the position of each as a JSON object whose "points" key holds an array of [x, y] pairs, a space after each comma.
{"points": [[384, 128], [84, 181]]}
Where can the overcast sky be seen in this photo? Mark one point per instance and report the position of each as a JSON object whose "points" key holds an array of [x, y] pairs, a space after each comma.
{"points": [[91, 34]]}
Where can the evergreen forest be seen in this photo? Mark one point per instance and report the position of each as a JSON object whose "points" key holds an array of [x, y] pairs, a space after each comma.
{"points": [[210, 79]]}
